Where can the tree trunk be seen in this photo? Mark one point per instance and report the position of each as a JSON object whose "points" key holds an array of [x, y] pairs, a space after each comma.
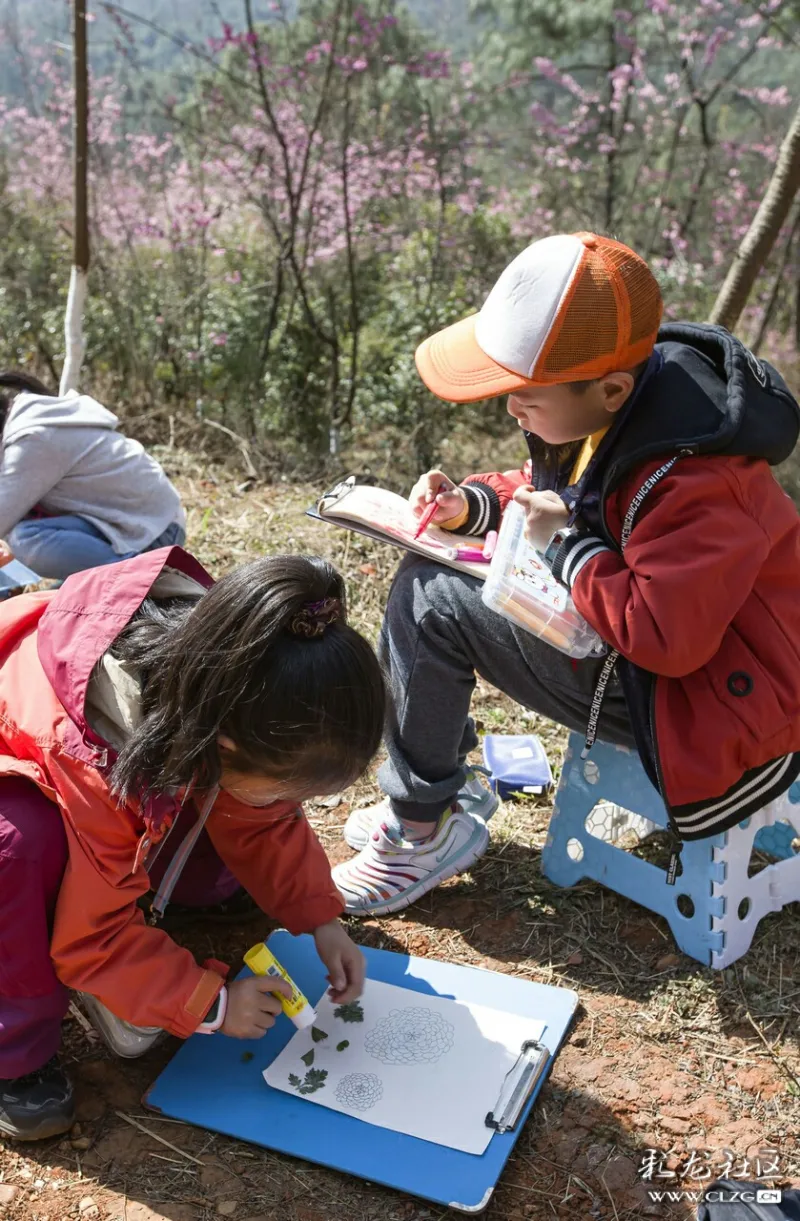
{"points": [[73, 321], [777, 284], [763, 232]]}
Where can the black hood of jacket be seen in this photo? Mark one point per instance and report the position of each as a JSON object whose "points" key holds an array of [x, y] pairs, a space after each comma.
{"points": [[711, 396]]}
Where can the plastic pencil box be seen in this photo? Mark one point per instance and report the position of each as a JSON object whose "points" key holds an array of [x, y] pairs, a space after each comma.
{"points": [[517, 763], [15, 576], [521, 588]]}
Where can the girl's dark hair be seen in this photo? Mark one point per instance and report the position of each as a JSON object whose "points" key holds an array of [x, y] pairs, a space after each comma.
{"points": [[266, 658], [18, 383]]}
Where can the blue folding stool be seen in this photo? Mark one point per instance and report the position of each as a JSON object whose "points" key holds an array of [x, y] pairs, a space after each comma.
{"points": [[714, 907]]}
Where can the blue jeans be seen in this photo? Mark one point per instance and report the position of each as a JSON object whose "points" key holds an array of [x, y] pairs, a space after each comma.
{"points": [[58, 546]]}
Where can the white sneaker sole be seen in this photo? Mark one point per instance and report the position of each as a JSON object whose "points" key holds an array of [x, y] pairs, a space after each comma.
{"points": [[475, 849], [119, 1036], [360, 839]]}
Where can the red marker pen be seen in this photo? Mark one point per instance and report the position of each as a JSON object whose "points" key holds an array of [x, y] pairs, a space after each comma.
{"points": [[429, 513]]}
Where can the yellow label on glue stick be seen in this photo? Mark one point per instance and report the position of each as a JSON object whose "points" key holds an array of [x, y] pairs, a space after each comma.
{"points": [[262, 961]]}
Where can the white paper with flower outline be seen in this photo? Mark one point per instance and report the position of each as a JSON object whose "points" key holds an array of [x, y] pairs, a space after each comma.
{"points": [[419, 1064], [410, 1036], [359, 1091]]}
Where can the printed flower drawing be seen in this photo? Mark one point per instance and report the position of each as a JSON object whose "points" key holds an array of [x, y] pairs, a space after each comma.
{"points": [[410, 1036], [359, 1091]]}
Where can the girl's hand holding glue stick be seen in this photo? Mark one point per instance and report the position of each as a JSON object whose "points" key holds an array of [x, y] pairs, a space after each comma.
{"points": [[435, 498], [252, 1006], [288, 997], [345, 963]]}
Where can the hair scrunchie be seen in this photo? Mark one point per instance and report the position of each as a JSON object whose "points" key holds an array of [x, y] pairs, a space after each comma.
{"points": [[312, 619]]}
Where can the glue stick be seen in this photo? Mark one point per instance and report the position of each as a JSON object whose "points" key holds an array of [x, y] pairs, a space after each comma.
{"points": [[262, 961]]}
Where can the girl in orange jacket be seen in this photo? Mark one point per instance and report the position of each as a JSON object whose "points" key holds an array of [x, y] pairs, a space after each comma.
{"points": [[146, 712]]}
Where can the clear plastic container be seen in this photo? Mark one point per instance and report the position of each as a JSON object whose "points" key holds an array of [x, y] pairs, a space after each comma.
{"points": [[521, 588]]}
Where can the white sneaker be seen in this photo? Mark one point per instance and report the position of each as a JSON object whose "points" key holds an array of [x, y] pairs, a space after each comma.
{"points": [[122, 1037], [473, 797], [390, 872]]}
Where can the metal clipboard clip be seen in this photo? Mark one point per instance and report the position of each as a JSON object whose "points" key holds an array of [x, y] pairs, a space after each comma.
{"points": [[518, 1086], [336, 494]]}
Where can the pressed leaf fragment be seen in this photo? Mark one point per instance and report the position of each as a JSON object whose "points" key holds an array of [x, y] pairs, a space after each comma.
{"points": [[318, 1035], [344, 1044], [308, 1058]]}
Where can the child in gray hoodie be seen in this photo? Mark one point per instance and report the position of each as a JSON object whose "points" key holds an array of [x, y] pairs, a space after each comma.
{"points": [[74, 492]]}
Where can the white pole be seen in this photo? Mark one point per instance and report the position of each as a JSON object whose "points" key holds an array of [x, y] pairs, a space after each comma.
{"points": [[73, 330]]}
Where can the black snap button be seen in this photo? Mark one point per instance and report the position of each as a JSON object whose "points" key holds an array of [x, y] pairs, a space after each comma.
{"points": [[740, 683]]}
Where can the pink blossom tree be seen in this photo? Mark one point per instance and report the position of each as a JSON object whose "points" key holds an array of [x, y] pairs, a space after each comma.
{"points": [[332, 187]]}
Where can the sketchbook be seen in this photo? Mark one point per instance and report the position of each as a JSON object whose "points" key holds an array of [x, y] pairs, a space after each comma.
{"points": [[426, 1066], [387, 517]]}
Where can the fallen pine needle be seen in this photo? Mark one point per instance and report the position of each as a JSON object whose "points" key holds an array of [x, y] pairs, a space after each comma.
{"points": [[778, 1059], [154, 1136], [84, 1023]]}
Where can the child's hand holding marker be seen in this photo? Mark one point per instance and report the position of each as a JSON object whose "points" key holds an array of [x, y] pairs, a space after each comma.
{"points": [[435, 488]]}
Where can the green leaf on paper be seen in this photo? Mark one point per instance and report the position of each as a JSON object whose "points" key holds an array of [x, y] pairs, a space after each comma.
{"points": [[318, 1035], [344, 1044], [314, 1080], [350, 1013]]}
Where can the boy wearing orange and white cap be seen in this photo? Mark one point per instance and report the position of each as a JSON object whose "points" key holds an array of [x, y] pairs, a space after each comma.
{"points": [[648, 491]]}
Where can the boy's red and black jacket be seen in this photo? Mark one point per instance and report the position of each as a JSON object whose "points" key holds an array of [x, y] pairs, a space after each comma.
{"points": [[704, 606]]}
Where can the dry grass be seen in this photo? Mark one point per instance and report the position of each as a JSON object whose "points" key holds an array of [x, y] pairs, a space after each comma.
{"points": [[664, 1054]]}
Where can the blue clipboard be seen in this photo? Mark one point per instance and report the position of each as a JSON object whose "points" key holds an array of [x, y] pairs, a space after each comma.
{"points": [[216, 1083]]}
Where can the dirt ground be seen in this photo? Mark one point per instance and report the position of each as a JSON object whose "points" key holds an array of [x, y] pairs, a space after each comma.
{"points": [[664, 1054]]}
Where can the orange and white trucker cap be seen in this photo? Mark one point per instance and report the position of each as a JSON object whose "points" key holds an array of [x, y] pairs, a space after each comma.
{"points": [[571, 307]]}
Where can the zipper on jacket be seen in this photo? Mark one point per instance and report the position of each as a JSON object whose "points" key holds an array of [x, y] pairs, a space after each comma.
{"points": [[99, 753], [675, 841]]}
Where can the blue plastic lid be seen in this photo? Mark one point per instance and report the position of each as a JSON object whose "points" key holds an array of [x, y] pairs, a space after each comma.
{"points": [[518, 761]]}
